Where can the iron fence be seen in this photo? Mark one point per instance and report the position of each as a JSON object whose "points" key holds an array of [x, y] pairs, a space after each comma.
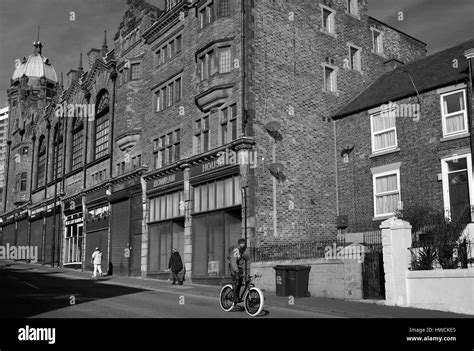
{"points": [[427, 255], [292, 251]]}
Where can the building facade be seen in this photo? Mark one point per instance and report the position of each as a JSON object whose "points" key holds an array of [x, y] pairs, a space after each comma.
{"points": [[3, 148], [410, 142], [211, 121]]}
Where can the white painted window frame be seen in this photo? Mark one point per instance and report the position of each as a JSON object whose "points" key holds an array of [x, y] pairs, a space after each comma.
{"points": [[444, 115], [380, 175]]}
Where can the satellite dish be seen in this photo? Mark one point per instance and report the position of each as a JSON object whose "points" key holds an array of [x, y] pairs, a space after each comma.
{"points": [[273, 126]]}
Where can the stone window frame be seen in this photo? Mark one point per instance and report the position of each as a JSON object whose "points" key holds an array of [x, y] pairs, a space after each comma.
{"points": [[359, 58], [162, 93], [335, 69], [333, 28], [229, 123], [161, 52], [41, 162], [199, 132], [374, 50], [167, 146], [355, 3], [207, 63]]}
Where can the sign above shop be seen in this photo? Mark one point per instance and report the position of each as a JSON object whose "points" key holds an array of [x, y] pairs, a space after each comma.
{"points": [[125, 184], [165, 180]]}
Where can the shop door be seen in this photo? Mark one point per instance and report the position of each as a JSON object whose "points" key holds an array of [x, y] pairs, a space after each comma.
{"points": [[120, 238], [93, 240], [36, 237]]}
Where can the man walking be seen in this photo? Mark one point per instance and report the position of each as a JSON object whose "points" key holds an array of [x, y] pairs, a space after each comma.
{"points": [[176, 265], [97, 261]]}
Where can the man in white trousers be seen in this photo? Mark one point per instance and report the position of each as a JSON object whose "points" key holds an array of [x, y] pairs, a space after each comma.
{"points": [[97, 261]]}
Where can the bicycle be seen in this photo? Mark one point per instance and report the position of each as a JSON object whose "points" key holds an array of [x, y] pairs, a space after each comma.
{"points": [[251, 296]]}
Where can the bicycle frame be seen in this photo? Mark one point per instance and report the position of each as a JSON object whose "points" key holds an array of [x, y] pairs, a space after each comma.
{"points": [[246, 287]]}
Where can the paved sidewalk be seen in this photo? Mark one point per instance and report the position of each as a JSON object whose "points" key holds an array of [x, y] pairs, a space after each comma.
{"points": [[348, 309]]}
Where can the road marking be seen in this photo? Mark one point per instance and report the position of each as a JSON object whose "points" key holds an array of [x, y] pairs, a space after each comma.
{"points": [[10, 276], [35, 287]]}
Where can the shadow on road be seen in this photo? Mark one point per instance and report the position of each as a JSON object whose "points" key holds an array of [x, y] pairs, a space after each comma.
{"points": [[27, 293]]}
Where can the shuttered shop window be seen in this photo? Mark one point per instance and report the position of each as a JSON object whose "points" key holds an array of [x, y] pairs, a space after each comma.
{"points": [[217, 194], [166, 206]]}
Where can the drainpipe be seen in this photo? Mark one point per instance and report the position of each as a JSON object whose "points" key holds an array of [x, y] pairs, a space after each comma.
{"points": [[469, 54], [244, 72]]}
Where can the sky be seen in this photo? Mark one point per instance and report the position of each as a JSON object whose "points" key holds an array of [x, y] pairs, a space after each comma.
{"points": [[439, 23]]}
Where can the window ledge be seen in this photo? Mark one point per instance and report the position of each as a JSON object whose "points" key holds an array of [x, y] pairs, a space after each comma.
{"points": [[76, 171], [335, 93], [382, 218], [381, 54], [358, 70], [334, 35], [454, 137], [97, 161], [386, 152], [37, 190], [353, 15]]}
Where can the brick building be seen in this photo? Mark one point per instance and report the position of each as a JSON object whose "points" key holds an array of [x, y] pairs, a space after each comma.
{"points": [[3, 148], [212, 121], [409, 142]]}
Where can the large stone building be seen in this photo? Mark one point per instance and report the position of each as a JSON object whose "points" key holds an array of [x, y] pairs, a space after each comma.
{"points": [[209, 121]]}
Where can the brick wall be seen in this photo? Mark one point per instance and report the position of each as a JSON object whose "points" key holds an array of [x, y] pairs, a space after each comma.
{"points": [[289, 76], [420, 154]]}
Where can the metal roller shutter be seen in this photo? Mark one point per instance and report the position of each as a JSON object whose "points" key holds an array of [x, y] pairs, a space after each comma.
{"points": [[93, 240], [9, 235], [120, 237], [36, 237]]}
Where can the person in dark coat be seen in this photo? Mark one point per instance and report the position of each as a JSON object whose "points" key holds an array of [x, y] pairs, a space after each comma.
{"points": [[176, 265]]}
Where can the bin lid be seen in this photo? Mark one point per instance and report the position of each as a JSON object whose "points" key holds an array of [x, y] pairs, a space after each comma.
{"points": [[291, 267]]}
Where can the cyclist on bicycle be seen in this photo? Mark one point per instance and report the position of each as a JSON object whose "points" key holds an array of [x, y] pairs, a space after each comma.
{"points": [[237, 258]]}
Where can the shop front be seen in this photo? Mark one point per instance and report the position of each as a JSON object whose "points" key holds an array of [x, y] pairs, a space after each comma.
{"points": [[73, 234], [125, 237], [22, 228], [97, 228], [9, 231], [36, 231], [166, 221], [52, 234], [216, 218]]}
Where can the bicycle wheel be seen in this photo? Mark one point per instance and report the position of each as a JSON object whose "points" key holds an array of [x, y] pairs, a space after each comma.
{"points": [[226, 298], [253, 301]]}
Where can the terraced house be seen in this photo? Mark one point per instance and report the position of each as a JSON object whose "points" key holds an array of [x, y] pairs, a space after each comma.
{"points": [[410, 142], [212, 121]]}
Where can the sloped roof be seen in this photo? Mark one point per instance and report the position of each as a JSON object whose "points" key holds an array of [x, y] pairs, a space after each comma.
{"points": [[428, 73]]}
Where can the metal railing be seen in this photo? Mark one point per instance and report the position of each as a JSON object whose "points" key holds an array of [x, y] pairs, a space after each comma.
{"points": [[292, 251], [427, 255]]}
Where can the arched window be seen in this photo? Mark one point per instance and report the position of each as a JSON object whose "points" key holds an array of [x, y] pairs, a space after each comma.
{"points": [[102, 125], [58, 151], [41, 164], [77, 143]]}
